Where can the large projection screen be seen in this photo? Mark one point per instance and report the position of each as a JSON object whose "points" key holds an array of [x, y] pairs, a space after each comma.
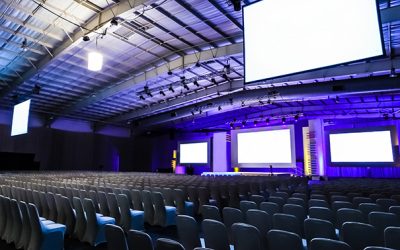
{"points": [[20, 118], [263, 147], [361, 147], [194, 153], [293, 36]]}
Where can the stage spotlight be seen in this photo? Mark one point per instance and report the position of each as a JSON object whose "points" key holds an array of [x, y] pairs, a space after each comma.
{"points": [[114, 21], [149, 94], [171, 89], [24, 45], [255, 123], [36, 89], [219, 108], [192, 113], [198, 64], [393, 73], [228, 69], [231, 125], [296, 118], [337, 99], [267, 121], [269, 102], [283, 120], [196, 83], [86, 38], [169, 72], [186, 87], [162, 93], [142, 98], [237, 5], [243, 104], [386, 117], [226, 77], [201, 112], [214, 81], [243, 124], [261, 102]]}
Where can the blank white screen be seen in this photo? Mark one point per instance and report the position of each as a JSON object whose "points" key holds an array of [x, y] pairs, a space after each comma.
{"points": [[193, 152], [285, 37], [20, 118], [265, 147], [361, 147]]}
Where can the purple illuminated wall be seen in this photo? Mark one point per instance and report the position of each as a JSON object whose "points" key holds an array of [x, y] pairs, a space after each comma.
{"points": [[369, 172]]}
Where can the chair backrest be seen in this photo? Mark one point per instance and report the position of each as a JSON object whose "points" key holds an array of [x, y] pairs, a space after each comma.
{"points": [[194, 197], [44, 205], [260, 219], [246, 237], [359, 235], [114, 208], [160, 214], [69, 216], [104, 209], [318, 197], [188, 231], [270, 207], [348, 214], [137, 200], [336, 205], [328, 244], [288, 223], [392, 237], [234, 199], [246, 205], [295, 210], [81, 219], [215, 234], [125, 211], [395, 210], [36, 228], [386, 203], [296, 201], [60, 209], [91, 221], [367, 208], [53, 212], [278, 200], [339, 198], [17, 221], [168, 244], [377, 248], [322, 213], [204, 197], [211, 213], [279, 240], [168, 195], [230, 216], [128, 196], [93, 197], [138, 240], [26, 227], [148, 207], [179, 198], [382, 220], [257, 199], [358, 200], [318, 203], [316, 228], [115, 237]]}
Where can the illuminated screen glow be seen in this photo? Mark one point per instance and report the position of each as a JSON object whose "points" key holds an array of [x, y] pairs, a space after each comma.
{"points": [[286, 37], [373, 146], [193, 153], [20, 118], [265, 147]]}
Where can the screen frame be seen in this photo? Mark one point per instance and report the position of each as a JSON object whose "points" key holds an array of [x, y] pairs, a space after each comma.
{"points": [[209, 157], [393, 137], [27, 118], [234, 148], [310, 70]]}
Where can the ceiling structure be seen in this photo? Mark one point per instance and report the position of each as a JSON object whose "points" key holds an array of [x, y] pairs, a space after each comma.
{"points": [[173, 63]]}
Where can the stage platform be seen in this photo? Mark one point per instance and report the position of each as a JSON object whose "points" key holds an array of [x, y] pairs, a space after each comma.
{"points": [[245, 174]]}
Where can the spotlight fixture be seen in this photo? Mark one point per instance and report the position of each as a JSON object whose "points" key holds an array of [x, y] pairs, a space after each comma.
{"points": [[174, 114], [269, 102], [234, 119], [255, 123], [214, 81], [169, 72], [219, 108], [196, 83], [114, 21], [186, 87], [171, 89], [36, 89], [261, 102], [231, 125], [337, 99], [237, 5], [243, 123], [24, 45], [86, 38], [393, 73], [386, 117], [227, 69], [226, 77], [198, 64], [142, 98], [296, 118], [243, 104], [162, 93], [192, 113], [267, 121], [283, 120], [200, 111]]}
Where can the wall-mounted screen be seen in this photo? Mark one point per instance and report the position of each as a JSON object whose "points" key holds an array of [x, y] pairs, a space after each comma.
{"points": [[293, 36], [262, 147], [194, 153], [20, 118], [361, 147]]}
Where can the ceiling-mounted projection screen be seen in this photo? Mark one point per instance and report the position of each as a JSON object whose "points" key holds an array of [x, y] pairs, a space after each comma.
{"points": [[292, 36], [194, 153], [262, 147], [20, 118], [361, 147]]}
